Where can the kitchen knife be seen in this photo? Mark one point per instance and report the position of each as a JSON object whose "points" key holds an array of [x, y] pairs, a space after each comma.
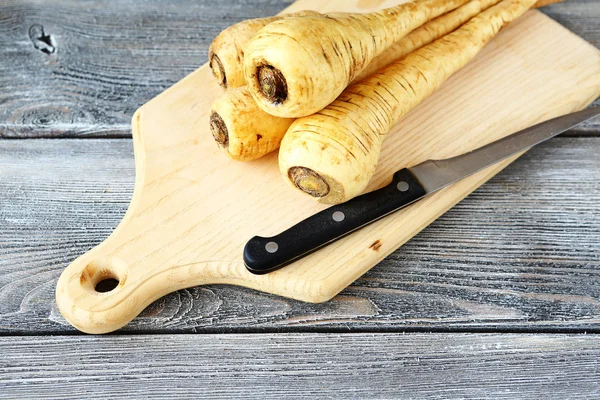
{"points": [[267, 254]]}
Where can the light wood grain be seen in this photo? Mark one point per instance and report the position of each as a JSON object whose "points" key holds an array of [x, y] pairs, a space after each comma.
{"points": [[350, 366], [193, 210], [110, 58]]}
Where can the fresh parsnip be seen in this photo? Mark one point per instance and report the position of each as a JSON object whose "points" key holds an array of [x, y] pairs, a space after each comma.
{"points": [[226, 52], [245, 132], [332, 155], [241, 129], [239, 125], [296, 66]]}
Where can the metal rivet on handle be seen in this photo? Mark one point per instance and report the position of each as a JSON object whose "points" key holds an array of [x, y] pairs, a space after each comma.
{"points": [[402, 186], [338, 216], [271, 247]]}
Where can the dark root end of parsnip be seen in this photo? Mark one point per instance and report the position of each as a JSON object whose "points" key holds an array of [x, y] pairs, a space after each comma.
{"points": [[308, 181], [219, 130], [272, 84], [218, 70]]}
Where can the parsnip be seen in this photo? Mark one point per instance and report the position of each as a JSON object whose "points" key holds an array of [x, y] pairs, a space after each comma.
{"points": [[236, 118], [298, 65], [226, 52], [332, 154], [243, 130], [238, 124]]}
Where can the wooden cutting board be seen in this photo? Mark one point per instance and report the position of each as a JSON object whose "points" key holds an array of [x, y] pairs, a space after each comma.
{"points": [[193, 209]]}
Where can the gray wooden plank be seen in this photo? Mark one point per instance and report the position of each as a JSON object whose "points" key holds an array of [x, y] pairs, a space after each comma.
{"points": [[521, 253], [103, 59], [274, 366], [579, 16]]}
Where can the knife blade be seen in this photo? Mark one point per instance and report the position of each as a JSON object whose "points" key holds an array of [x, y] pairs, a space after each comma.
{"points": [[267, 254]]}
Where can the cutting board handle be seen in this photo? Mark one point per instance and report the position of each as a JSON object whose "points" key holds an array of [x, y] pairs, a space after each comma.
{"points": [[87, 305], [99, 293], [107, 287]]}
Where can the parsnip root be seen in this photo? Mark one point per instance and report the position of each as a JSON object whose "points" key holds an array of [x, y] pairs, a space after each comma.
{"points": [[226, 52], [241, 129], [237, 118], [332, 154], [241, 112], [298, 65]]}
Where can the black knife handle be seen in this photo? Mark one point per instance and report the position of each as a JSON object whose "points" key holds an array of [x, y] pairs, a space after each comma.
{"points": [[263, 255]]}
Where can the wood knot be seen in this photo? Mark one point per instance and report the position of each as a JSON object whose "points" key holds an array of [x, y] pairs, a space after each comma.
{"points": [[41, 41], [376, 245]]}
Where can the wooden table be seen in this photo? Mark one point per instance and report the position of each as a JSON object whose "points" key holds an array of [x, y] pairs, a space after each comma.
{"points": [[499, 298]]}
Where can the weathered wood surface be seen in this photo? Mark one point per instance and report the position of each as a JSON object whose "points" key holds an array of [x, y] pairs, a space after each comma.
{"points": [[521, 253], [104, 60], [275, 366], [81, 68]]}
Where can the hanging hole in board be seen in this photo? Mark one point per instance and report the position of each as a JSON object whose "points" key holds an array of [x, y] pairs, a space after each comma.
{"points": [[103, 275]]}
